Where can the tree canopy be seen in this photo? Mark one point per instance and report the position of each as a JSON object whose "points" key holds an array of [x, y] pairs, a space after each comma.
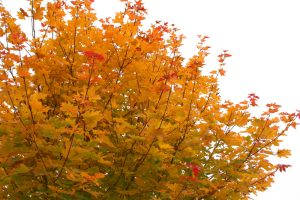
{"points": [[108, 109]]}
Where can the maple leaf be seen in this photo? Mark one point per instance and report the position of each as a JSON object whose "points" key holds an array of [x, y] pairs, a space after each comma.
{"points": [[22, 14], [227, 55], [282, 167], [93, 55], [283, 153], [253, 99], [222, 72], [273, 107]]}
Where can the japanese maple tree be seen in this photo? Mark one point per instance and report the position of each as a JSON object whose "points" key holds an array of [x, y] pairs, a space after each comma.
{"points": [[108, 109]]}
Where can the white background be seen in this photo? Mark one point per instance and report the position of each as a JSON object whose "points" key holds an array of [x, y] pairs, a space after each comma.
{"points": [[264, 38]]}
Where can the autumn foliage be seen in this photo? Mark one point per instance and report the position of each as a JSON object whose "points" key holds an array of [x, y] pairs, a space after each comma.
{"points": [[108, 109]]}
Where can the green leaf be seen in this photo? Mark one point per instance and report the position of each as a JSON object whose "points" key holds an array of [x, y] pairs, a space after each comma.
{"points": [[22, 169]]}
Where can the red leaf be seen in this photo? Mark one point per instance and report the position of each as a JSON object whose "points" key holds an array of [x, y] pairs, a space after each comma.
{"points": [[298, 114], [174, 75], [195, 169], [93, 55], [221, 60], [192, 178], [282, 167], [253, 98]]}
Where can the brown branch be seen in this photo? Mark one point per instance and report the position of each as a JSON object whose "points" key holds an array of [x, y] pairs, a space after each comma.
{"points": [[121, 66], [179, 193], [66, 158], [182, 137], [33, 121], [254, 144], [209, 95], [227, 131], [166, 108], [271, 141], [126, 156], [32, 137], [140, 162], [89, 81]]}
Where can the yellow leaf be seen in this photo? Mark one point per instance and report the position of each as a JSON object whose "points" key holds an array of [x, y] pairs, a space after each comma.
{"points": [[138, 138], [104, 162], [105, 140], [283, 153], [22, 14], [163, 145], [179, 115], [173, 187], [36, 103], [92, 94], [69, 108], [91, 118], [99, 132], [233, 140], [114, 102]]}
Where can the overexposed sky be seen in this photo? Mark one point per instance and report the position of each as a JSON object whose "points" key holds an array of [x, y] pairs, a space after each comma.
{"points": [[264, 38]]}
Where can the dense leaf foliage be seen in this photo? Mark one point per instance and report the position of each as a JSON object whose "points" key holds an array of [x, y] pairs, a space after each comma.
{"points": [[107, 109]]}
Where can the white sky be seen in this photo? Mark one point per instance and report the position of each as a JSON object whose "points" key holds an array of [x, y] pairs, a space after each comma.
{"points": [[264, 38]]}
